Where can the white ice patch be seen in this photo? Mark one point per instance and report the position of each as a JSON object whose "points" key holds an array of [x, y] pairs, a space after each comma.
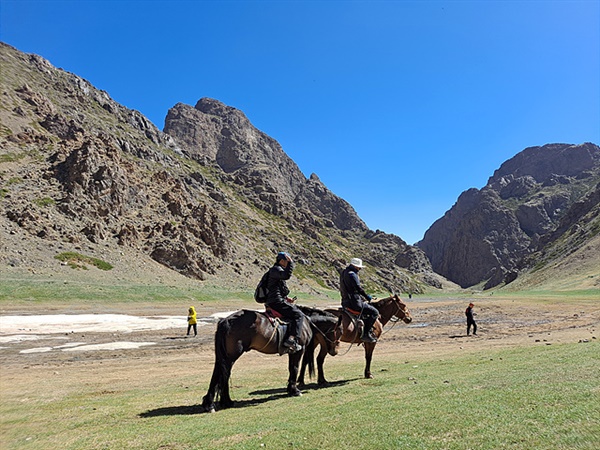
{"points": [[23, 337], [81, 346], [37, 350], [109, 346], [82, 323]]}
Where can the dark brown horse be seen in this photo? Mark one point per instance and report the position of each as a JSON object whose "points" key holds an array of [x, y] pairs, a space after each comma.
{"points": [[390, 309], [247, 330]]}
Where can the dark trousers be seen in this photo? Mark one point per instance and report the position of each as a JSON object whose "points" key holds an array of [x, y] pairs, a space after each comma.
{"points": [[369, 313], [469, 323], [195, 329], [290, 313]]}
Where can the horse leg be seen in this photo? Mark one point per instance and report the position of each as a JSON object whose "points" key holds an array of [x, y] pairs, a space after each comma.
{"points": [[320, 360], [224, 398], [369, 347], [305, 362], [208, 401], [293, 365]]}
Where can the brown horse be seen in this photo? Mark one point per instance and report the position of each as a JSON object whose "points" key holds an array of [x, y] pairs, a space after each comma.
{"points": [[390, 309], [247, 330]]}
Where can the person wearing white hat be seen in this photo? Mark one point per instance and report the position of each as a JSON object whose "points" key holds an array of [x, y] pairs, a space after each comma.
{"points": [[352, 298]]}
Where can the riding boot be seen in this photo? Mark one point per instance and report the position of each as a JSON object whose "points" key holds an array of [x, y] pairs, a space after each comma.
{"points": [[368, 337], [292, 345]]}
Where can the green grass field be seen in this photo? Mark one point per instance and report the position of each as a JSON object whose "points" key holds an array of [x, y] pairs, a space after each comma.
{"points": [[525, 398]]}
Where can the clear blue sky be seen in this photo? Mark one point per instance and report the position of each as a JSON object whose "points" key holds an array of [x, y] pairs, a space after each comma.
{"points": [[398, 106]]}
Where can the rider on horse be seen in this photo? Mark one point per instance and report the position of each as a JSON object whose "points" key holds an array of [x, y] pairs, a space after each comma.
{"points": [[352, 291], [276, 299]]}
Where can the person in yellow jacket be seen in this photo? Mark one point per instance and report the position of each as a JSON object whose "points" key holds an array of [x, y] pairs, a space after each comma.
{"points": [[192, 322]]}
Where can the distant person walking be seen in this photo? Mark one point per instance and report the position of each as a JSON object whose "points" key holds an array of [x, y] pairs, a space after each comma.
{"points": [[471, 320], [192, 321]]}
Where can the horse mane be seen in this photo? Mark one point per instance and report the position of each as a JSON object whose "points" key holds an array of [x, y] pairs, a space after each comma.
{"points": [[315, 313], [381, 301]]}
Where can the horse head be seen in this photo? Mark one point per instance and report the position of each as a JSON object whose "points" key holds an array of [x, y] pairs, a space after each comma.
{"points": [[333, 336], [326, 326], [402, 311]]}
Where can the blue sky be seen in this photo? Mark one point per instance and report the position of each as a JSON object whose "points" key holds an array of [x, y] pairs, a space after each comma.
{"points": [[398, 106]]}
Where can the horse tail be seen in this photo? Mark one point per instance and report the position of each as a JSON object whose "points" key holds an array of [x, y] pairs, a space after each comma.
{"points": [[309, 356], [222, 369]]}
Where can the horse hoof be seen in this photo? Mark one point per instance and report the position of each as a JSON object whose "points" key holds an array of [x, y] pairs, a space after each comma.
{"points": [[295, 392], [368, 376]]}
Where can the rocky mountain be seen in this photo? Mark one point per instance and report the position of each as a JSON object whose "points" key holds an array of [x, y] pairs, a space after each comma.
{"points": [[539, 206], [211, 197]]}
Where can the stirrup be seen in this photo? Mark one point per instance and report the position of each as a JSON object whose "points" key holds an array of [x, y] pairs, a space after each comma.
{"points": [[292, 345]]}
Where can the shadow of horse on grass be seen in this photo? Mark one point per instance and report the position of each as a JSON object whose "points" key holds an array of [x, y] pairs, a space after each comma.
{"points": [[270, 394]]}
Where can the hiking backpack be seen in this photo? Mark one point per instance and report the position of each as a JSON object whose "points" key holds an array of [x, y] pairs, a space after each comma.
{"points": [[261, 292]]}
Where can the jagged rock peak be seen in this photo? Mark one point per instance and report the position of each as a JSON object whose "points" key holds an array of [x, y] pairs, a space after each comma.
{"points": [[257, 163], [216, 108], [542, 163]]}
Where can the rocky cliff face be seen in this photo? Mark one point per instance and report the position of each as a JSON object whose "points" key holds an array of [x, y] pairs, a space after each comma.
{"points": [[212, 197], [213, 133], [528, 204]]}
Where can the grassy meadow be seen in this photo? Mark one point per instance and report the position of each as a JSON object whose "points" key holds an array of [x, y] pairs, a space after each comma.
{"points": [[525, 398]]}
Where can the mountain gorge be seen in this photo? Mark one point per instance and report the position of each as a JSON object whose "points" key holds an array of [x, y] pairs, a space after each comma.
{"points": [[210, 198]]}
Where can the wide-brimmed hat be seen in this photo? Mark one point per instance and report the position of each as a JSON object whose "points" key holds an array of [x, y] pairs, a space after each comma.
{"points": [[356, 262]]}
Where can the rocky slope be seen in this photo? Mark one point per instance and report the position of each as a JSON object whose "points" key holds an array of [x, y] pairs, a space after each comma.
{"points": [[539, 207], [211, 198]]}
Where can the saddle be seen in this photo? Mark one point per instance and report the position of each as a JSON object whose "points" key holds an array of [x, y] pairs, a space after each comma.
{"points": [[355, 318], [351, 311], [281, 327]]}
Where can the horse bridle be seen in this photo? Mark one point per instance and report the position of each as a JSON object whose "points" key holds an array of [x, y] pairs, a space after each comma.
{"points": [[314, 327], [397, 302]]}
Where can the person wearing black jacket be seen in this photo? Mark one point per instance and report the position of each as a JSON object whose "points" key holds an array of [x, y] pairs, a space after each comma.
{"points": [[471, 320], [352, 298], [277, 299]]}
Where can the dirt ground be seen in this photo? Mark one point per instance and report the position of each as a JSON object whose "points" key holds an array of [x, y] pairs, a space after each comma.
{"points": [[130, 345]]}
